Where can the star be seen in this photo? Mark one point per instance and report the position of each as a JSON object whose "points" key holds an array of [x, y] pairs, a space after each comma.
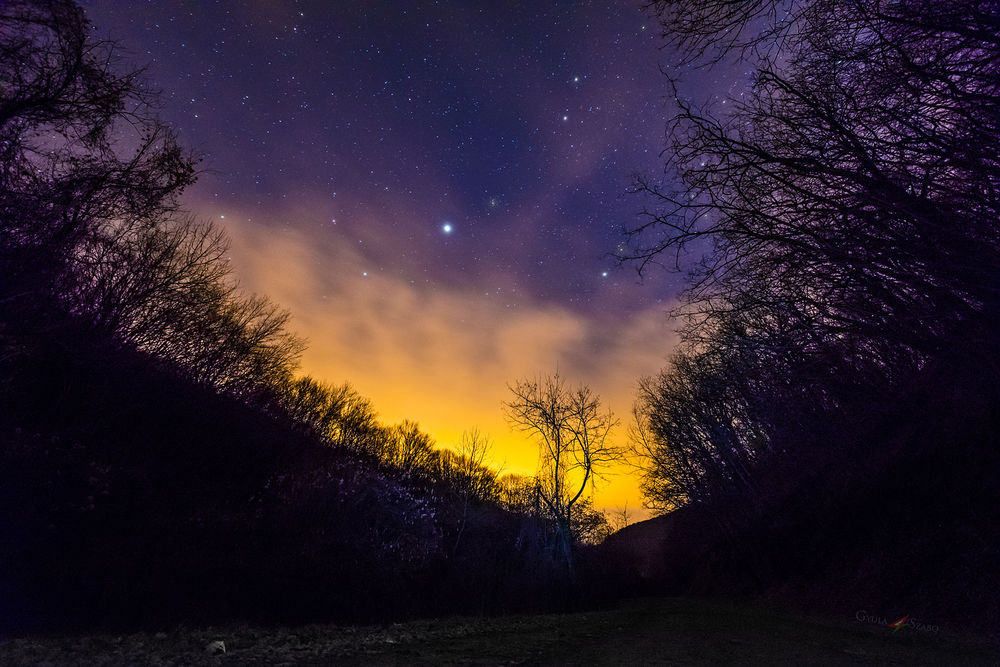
{"points": [[446, 228]]}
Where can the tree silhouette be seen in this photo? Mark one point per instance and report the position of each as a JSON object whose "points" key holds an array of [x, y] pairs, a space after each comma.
{"points": [[851, 199], [844, 213], [847, 209], [77, 143], [572, 432], [701, 31], [410, 449], [467, 468], [90, 218]]}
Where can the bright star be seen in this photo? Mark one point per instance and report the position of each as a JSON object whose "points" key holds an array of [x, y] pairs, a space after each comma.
{"points": [[604, 274], [446, 228]]}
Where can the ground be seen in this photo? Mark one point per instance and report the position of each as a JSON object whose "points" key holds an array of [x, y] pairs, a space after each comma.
{"points": [[646, 632]]}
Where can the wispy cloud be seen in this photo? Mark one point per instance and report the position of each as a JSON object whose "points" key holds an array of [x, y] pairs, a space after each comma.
{"points": [[443, 354]]}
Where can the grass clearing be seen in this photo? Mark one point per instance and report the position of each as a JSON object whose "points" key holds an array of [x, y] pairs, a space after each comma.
{"points": [[667, 631]]}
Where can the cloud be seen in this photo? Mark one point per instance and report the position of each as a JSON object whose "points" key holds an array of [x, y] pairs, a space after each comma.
{"points": [[443, 354]]}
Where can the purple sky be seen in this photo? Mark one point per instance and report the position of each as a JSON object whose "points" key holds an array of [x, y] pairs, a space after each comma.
{"points": [[517, 124], [433, 189]]}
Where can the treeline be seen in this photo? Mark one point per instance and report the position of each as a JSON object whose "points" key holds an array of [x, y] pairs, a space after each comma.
{"points": [[93, 228], [831, 415], [161, 457], [341, 418]]}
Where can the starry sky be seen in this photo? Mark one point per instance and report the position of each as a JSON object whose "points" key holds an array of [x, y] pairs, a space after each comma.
{"points": [[434, 189]]}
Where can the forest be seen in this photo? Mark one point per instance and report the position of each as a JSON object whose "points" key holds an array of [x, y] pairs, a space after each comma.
{"points": [[823, 437]]}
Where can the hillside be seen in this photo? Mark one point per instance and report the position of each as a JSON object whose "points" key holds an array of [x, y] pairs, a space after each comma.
{"points": [[132, 496]]}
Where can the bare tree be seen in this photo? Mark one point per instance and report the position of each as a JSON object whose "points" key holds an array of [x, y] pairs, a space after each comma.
{"points": [[572, 431], [710, 30], [851, 197], [697, 431], [78, 145], [90, 222], [620, 520], [471, 466], [519, 493], [165, 286], [468, 471], [846, 215], [410, 449], [134, 278]]}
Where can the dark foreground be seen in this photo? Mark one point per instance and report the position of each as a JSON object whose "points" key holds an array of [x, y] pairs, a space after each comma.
{"points": [[664, 632]]}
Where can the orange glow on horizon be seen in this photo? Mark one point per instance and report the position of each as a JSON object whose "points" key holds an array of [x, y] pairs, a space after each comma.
{"points": [[443, 355]]}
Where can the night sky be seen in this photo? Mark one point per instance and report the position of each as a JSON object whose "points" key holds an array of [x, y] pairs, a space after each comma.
{"points": [[434, 190]]}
